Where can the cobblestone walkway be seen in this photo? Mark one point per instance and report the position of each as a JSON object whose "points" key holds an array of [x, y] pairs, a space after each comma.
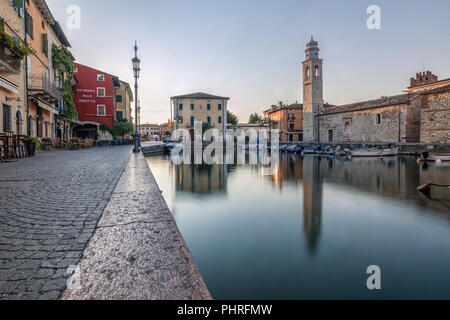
{"points": [[49, 208]]}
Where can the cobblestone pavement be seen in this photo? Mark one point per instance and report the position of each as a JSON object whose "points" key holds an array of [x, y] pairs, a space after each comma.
{"points": [[49, 208]]}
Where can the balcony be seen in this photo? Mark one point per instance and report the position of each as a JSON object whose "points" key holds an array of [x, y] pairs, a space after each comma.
{"points": [[9, 60], [42, 88]]}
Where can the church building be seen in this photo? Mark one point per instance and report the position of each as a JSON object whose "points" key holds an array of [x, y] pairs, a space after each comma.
{"points": [[420, 115]]}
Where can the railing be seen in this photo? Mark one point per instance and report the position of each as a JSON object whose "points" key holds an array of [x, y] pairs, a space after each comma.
{"points": [[294, 130], [9, 61], [42, 87]]}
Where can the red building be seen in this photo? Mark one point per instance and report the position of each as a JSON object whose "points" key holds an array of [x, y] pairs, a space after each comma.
{"points": [[94, 97]]}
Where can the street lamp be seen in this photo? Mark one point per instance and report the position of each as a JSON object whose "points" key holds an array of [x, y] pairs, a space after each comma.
{"points": [[136, 70]]}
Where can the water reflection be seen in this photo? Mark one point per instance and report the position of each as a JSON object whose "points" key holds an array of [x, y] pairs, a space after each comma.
{"points": [[279, 235]]}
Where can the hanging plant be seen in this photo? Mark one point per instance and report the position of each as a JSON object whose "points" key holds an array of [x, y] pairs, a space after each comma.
{"points": [[15, 44], [62, 61]]}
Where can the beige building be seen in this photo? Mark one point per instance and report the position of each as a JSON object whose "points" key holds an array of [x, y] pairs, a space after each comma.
{"points": [[189, 108], [288, 119], [124, 98], [151, 130], [12, 79], [30, 98]]}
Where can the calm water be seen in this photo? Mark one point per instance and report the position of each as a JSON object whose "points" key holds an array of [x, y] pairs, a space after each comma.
{"points": [[311, 228]]}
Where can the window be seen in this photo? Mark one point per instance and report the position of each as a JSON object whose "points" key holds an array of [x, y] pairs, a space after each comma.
{"points": [[45, 44], [307, 73], [192, 120], [29, 25], [75, 70], [43, 25], [208, 119], [101, 110], [180, 119], [180, 106], [208, 106], [192, 106], [378, 118], [17, 5], [330, 135], [219, 119], [101, 92], [347, 128], [100, 77], [119, 98], [300, 137], [219, 106], [119, 115], [316, 71], [7, 126]]}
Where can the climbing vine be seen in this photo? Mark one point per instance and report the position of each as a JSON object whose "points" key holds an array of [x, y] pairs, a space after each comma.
{"points": [[62, 61]]}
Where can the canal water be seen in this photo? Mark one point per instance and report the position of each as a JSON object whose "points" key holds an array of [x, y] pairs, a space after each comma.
{"points": [[312, 227]]}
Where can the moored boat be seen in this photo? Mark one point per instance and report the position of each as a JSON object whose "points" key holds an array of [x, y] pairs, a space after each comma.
{"points": [[437, 157], [375, 152]]}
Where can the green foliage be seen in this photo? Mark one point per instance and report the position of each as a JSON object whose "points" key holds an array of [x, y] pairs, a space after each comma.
{"points": [[36, 142], [121, 129], [206, 126], [15, 44], [232, 120], [62, 61], [167, 133], [104, 128], [254, 118]]}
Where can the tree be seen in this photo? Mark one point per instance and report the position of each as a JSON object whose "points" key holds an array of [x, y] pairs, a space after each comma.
{"points": [[206, 126], [254, 118], [232, 119], [122, 128]]}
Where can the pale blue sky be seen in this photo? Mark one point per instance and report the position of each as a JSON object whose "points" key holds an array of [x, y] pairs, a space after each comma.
{"points": [[251, 50]]}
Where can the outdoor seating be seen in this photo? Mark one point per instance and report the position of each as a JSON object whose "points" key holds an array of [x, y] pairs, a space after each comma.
{"points": [[46, 144], [9, 152]]}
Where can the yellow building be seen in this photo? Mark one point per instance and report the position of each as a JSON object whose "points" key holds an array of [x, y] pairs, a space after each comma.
{"points": [[189, 108], [288, 119], [12, 80], [30, 98], [124, 98]]}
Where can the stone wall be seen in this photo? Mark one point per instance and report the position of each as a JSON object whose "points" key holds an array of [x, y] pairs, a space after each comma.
{"points": [[363, 126], [435, 118]]}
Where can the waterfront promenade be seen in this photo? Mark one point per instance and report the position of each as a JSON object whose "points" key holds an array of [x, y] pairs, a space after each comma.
{"points": [[50, 207]]}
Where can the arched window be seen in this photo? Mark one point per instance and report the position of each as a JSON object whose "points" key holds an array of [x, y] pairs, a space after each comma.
{"points": [[316, 71], [307, 73], [378, 118], [347, 128]]}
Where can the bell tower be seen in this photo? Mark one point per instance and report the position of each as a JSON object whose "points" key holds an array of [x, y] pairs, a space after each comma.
{"points": [[312, 92]]}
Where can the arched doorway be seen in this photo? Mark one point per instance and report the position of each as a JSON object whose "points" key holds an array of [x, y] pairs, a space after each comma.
{"points": [[87, 131]]}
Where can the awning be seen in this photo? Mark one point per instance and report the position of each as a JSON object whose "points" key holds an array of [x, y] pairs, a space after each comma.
{"points": [[9, 86]]}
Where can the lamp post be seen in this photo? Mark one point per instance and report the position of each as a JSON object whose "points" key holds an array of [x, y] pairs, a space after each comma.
{"points": [[136, 70]]}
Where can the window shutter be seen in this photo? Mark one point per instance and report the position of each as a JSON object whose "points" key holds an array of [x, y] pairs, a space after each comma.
{"points": [[45, 44]]}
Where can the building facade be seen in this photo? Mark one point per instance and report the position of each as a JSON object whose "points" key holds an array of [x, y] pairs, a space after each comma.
{"points": [[28, 81], [151, 130], [420, 115], [12, 71], [288, 119], [189, 108], [124, 98], [95, 98]]}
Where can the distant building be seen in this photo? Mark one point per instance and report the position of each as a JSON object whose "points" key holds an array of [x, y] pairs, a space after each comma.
{"points": [[420, 115], [202, 107], [286, 118], [151, 130]]}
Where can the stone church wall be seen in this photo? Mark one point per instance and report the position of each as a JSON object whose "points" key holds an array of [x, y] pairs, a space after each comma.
{"points": [[435, 118]]}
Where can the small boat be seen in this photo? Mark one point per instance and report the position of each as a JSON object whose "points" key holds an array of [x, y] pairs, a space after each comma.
{"points": [[375, 152], [437, 157], [310, 150]]}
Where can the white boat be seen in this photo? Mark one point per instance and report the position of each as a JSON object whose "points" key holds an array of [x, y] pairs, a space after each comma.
{"points": [[438, 157], [375, 153]]}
